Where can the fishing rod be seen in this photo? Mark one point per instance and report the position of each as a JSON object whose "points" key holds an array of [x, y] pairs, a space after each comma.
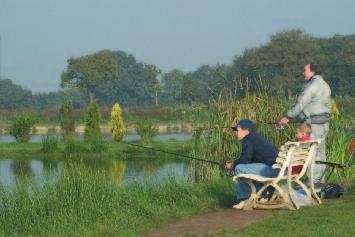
{"points": [[257, 122], [176, 154]]}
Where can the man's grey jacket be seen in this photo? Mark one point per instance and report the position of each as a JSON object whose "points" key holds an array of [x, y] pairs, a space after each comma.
{"points": [[313, 104]]}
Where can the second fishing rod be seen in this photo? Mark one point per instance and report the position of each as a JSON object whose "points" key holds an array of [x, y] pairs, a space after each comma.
{"points": [[234, 127]]}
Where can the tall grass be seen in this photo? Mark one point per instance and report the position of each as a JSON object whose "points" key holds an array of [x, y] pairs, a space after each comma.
{"points": [[85, 202], [263, 106], [95, 148], [337, 143], [49, 144]]}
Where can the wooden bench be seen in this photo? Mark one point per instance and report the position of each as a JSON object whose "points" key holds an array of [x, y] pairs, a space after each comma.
{"points": [[292, 154]]}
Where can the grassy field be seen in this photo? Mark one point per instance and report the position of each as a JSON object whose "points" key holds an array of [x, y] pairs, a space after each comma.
{"points": [[84, 203], [333, 218]]}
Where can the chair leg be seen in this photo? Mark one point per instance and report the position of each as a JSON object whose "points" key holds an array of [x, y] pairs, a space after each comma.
{"points": [[286, 197], [314, 193], [251, 201], [290, 190], [308, 193], [330, 174]]}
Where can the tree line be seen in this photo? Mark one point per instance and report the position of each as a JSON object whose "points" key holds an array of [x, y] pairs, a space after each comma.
{"points": [[115, 76]]}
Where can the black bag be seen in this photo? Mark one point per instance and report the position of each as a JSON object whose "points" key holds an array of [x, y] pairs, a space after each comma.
{"points": [[332, 190]]}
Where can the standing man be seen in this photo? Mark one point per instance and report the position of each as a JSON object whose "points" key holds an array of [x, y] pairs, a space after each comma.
{"points": [[313, 106]]}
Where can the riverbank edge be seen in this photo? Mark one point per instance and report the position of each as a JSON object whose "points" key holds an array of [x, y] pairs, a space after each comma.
{"points": [[25, 151], [162, 128]]}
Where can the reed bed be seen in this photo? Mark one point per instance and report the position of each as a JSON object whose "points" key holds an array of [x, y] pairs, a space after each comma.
{"points": [[264, 107], [85, 203]]}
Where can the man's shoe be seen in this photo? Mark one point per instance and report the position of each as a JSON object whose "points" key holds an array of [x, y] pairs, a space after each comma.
{"points": [[263, 200], [240, 205]]}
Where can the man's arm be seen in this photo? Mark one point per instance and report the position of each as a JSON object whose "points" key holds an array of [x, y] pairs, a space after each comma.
{"points": [[246, 155], [302, 101]]}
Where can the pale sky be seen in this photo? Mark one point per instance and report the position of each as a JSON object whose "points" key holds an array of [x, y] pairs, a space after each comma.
{"points": [[38, 36]]}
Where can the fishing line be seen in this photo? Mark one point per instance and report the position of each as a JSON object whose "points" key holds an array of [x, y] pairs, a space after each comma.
{"points": [[175, 154]]}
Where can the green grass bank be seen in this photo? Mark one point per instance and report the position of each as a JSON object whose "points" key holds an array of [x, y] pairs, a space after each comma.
{"points": [[84, 203], [332, 218]]}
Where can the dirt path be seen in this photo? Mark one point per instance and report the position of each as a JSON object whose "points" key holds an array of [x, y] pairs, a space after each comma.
{"points": [[211, 222]]}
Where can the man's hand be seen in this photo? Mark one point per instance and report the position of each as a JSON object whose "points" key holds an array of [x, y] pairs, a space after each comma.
{"points": [[229, 166]]}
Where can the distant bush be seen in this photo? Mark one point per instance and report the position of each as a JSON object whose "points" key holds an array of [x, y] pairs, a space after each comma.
{"points": [[66, 118], [146, 130], [92, 123], [21, 126], [116, 123]]}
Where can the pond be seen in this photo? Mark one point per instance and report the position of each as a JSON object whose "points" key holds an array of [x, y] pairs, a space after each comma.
{"points": [[108, 137], [124, 168], [121, 171]]}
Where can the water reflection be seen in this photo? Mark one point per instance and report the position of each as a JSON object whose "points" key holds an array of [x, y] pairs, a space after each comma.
{"points": [[120, 171], [21, 168]]}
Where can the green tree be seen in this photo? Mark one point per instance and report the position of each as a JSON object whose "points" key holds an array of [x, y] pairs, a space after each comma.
{"points": [[66, 118], [93, 74], [190, 92], [151, 71], [281, 60], [337, 60], [205, 78], [172, 86], [92, 123], [13, 96], [117, 127], [22, 125], [139, 83]]}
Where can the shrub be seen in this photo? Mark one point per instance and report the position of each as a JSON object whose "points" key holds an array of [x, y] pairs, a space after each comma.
{"points": [[116, 123], [49, 143], [21, 127], [146, 130], [92, 123], [66, 118]]}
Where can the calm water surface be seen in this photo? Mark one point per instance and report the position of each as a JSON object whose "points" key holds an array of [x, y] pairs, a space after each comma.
{"points": [[120, 171], [141, 166]]}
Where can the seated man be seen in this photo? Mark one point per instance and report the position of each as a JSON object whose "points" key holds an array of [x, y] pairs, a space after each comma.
{"points": [[257, 157]]}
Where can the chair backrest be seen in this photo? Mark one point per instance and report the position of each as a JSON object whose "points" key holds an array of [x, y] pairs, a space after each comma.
{"points": [[303, 155], [295, 154], [351, 151]]}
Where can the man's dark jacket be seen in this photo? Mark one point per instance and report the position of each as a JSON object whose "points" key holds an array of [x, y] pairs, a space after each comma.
{"points": [[255, 149]]}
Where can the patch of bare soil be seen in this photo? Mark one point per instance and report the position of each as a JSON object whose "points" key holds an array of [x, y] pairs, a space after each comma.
{"points": [[210, 223]]}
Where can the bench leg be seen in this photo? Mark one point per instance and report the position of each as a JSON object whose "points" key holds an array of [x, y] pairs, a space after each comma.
{"points": [[253, 196], [330, 174], [314, 193], [314, 201], [286, 198]]}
